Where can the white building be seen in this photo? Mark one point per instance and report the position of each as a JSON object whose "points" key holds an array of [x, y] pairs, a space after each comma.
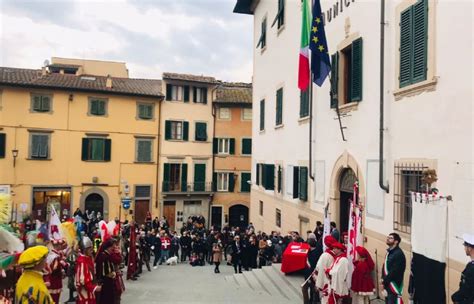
{"points": [[428, 121]]}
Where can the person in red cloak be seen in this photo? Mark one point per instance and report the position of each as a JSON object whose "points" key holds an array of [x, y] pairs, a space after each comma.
{"points": [[107, 270], [362, 282], [84, 274], [132, 255]]}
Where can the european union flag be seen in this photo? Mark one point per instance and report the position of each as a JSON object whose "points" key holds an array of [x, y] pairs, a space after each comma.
{"points": [[320, 63]]}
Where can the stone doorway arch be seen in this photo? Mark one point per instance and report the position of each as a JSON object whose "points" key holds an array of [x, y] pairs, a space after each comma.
{"points": [[96, 193]]}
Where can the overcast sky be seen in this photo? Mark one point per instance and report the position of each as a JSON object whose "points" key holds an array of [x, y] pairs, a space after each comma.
{"points": [[151, 36]]}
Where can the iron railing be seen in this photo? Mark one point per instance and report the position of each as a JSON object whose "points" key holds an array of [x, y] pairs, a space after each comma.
{"points": [[178, 187]]}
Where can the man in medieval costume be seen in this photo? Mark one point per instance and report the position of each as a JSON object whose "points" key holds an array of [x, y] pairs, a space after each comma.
{"points": [[56, 266], [108, 273], [324, 262], [85, 282], [338, 274], [132, 255]]}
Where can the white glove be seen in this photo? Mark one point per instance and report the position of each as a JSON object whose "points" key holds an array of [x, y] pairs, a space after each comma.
{"points": [[152, 247]]}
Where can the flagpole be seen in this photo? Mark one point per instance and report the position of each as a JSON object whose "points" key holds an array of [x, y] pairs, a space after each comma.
{"points": [[311, 175]]}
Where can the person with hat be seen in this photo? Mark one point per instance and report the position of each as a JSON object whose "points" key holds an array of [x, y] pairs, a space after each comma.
{"points": [[337, 274], [465, 293], [108, 274], [362, 282], [55, 266], [31, 287], [324, 262], [84, 274]]}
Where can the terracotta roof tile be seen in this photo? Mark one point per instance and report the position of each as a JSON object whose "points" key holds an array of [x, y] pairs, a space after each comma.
{"points": [[238, 93], [189, 77]]}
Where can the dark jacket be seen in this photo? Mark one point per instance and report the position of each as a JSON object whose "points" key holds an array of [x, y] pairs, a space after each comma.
{"points": [[396, 267], [236, 251], [465, 294]]}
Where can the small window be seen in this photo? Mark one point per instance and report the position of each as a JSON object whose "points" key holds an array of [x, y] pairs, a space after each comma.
{"points": [[262, 41], [304, 103], [97, 106], [41, 103], [144, 149], [279, 107], [39, 146], [260, 209], [96, 149], [224, 113], [222, 181], [262, 115], [145, 111], [280, 16], [246, 146], [3, 144], [143, 192], [223, 146], [246, 114], [177, 93], [244, 179], [201, 131], [177, 130], [278, 218], [200, 95]]}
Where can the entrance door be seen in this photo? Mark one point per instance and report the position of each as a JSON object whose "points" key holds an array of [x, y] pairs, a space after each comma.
{"points": [[141, 209], [191, 208], [239, 216], [216, 217], [169, 211], [346, 188], [94, 202]]}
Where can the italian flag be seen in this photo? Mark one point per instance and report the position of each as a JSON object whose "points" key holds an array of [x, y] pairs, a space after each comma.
{"points": [[303, 71]]}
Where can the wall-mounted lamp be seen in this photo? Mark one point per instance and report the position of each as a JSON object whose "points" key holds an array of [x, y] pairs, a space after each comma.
{"points": [[15, 155], [71, 97]]}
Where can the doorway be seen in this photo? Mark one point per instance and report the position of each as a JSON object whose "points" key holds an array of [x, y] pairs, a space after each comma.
{"points": [[141, 209], [216, 217], [346, 188], [169, 211], [94, 202], [239, 216]]}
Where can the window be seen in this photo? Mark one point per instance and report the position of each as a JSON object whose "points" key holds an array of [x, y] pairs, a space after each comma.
{"points": [[142, 192], [200, 131], [246, 114], [260, 209], [262, 41], [279, 178], [246, 146], [200, 95], [304, 103], [199, 177], [289, 180], [176, 130], [175, 177], [303, 184], [244, 185], [222, 181], [278, 218], [408, 178], [280, 17], [41, 103], [145, 111], [262, 115], [96, 149], [144, 149], [97, 106], [2, 145], [224, 113], [39, 145], [224, 145], [177, 93], [279, 107], [346, 68], [268, 176], [413, 43]]}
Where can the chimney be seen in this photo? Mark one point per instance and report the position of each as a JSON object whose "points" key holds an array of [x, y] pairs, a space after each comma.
{"points": [[108, 82], [44, 71]]}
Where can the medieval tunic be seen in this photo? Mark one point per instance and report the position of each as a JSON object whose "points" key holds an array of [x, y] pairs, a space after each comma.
{"points": [[31, 286], [112, 285], [55, 263], [338, 273], [322, 281], [84, 280]]}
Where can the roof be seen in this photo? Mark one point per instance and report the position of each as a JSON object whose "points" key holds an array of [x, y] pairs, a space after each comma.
{"points": [[244, 7], [87, 83], [234, 93], [62, 65], [190, 78]]}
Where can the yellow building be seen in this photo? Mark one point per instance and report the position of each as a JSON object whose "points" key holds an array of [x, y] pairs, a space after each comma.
{"points": [[71, 137], [232, 149]]}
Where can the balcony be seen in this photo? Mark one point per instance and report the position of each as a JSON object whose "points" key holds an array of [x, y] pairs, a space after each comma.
{"points": [[178, 188]]}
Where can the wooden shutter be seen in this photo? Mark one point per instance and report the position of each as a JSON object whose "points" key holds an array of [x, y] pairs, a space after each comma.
{"points": [[356, 70], [303, 184], [257, 173], [279, 179], [247, 146], [169, 89], [200, 131], [45, 103], [184, 177], [214, 181], [231, 182], [334, 79], [199, 177], [166, 177], [2, 145], [405, 47], [194, 94], [231, 146], [108, 149], [215, 145], [204, 97], [262, 114], [264, 175], [101, 107], [186, 93], [279, 107], [144, 150], [167, 129], [44, 140], [244, 185], [420, 40], [304, 103], [296, 176], [85, 149], [185, 130], [270, 177], [37, 103]]}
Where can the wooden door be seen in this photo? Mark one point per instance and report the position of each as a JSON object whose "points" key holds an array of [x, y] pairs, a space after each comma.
{"points": [[141, 209], [169, 211]]}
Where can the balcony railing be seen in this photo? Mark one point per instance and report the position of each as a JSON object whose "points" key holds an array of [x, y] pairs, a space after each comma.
{"points": [[178, 187]]}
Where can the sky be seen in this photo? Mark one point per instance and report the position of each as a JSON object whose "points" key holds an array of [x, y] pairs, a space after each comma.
{"points": [[200, 37]]}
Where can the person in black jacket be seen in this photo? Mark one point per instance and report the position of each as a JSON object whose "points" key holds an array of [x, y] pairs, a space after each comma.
{"points": [[155, 245], [237, 254], [465, 294], [315, 252], [393, 269], [185, 243]]}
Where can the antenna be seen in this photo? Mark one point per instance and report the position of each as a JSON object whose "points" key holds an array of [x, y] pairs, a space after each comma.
{"points": [[46, 63]]}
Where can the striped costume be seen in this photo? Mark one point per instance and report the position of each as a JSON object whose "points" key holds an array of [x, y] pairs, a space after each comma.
{"points": [[85, 283]]}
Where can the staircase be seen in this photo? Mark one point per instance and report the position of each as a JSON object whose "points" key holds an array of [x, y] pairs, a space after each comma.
{"points": [[269, 283]]}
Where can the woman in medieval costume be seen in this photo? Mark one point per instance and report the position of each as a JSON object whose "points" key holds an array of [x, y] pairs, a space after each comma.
{"points": [[85, 282], [362, 281], [56, 268]]}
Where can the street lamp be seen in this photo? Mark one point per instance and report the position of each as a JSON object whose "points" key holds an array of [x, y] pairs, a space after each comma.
{"points": [[15, 155]]}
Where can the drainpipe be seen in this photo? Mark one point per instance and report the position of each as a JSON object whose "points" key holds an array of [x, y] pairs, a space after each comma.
{"points": [[213, 112], [381, 130], [311, 174], [158, 153]]}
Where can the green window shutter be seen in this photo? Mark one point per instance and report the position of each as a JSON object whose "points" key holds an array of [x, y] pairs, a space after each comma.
{"points": [[141, 111], [85, 149], [405, 47], [204, 97], [215, 145], [264, 33], [186, 93], [94, 107], [166, 177], [2, 145], [279, 107], [107, 149], [334, 79], [279, 179], [45, 103], [257, 173], [194, 94], [184, 177], [102, 105], [232, 146], [304, 103], [149, 111], [167, 129], [144, 151], [296, 183], [200, 131], [214, 181], [420, 40], [185, 130], [44, 139], [262, 114], [244, 185], [303, 184], [231, 182], [35, 146], [169, 89], [263, 167], [356, 70], [281, 13], [199, 177], [37, 103], [270, 177], [246, 146]]}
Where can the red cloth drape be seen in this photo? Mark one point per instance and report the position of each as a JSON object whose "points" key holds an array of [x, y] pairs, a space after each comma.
{"points": [[294, 257]]}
